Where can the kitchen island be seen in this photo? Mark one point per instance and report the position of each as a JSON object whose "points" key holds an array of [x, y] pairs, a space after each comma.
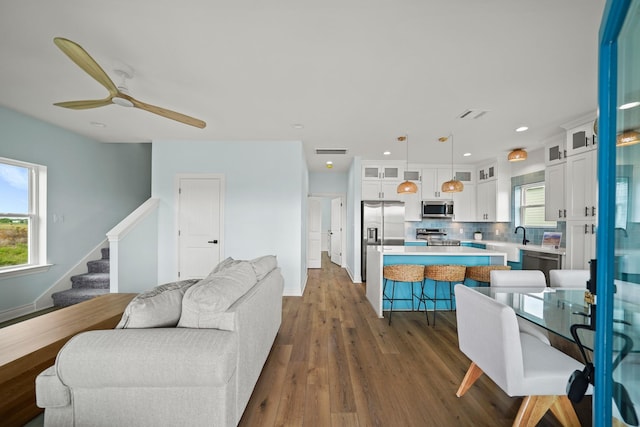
{"points": [[380, 256]]}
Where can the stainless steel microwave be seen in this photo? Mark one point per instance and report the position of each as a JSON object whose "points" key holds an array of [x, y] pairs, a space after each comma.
{"points": [[437, 208]]}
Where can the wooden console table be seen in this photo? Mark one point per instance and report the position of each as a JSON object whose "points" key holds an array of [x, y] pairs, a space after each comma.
{"points": [[27, 348]]}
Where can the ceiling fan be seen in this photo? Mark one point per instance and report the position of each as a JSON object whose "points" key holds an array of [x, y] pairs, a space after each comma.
{"points": [[117, 95]]}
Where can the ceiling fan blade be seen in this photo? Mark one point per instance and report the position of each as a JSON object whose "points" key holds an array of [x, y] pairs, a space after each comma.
{"points": [[77, 54], [86, 104], [179, 117]]}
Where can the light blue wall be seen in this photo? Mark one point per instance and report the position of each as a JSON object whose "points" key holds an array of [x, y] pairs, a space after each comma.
{"points": [[138, 257], [264, 208], [92, 185], [328, 182], [354, 195]]}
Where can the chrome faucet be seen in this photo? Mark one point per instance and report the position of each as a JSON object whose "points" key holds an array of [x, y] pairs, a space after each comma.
{"points": [[524, 234]]}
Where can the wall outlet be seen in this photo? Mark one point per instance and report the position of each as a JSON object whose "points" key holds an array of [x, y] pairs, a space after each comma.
{"points": [[497, 232], [461, 231]]}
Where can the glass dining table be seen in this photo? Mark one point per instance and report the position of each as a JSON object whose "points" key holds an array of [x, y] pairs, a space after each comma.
{"points": [[556, 309]]}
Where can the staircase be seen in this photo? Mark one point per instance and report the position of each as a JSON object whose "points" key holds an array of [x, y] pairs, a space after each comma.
{"points": [[88, 285]]}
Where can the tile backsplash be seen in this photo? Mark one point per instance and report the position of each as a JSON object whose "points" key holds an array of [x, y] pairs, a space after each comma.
{"points": [[498, 231]]}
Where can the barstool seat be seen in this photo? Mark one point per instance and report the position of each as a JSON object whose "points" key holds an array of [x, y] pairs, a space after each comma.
{"points": [[440, 273], [401, 273], [482, 273]]}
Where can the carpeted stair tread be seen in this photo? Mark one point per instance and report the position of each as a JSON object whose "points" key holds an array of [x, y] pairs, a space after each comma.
{"points": [[88, 285], [98, 266], [74, 296], [90, 280]]}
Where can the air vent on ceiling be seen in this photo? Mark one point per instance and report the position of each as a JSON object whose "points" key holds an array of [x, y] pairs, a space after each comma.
{"points": [[472, 114], [331, 151]]}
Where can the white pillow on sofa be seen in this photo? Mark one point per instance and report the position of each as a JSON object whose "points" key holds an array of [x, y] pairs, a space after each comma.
{"points": [[159, 307], [263, 265], [204, 304]]}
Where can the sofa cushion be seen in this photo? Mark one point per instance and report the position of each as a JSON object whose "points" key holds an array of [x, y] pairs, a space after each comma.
{"points": [[225, 263], [159, 307], [205, 303], [263, 265]]}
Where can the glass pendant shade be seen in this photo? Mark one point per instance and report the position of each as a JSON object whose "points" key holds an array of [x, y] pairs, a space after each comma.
{"points": [[407, 187], [517, 155], [452, 186]]}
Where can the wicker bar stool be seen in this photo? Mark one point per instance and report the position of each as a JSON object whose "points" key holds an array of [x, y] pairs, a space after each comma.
{"points": [[440, 273], [400, 274], [482, 273]]}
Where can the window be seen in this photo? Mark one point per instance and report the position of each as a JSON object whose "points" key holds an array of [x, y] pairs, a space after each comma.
{"points": [[530, 209], [22, 216]]}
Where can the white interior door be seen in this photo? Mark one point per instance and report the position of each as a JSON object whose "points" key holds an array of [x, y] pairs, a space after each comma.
{"points": [[314, 237], [199, 226], [336, 231]]}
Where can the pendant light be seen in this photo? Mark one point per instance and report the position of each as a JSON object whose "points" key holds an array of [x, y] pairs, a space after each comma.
{"points": [[453, 185], [517, 155], [628, 137], [406, 187]]}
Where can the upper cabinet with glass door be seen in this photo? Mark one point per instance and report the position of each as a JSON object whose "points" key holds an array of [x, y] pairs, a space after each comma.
{"points": [[581, 137]]}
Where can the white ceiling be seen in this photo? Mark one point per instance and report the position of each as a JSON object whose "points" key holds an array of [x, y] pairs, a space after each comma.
{"points": [[355, 73]]}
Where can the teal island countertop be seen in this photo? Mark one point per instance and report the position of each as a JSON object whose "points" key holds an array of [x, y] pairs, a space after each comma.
{"points": [[379, 256]]}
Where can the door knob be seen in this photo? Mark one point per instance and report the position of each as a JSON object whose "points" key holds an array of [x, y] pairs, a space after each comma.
{"points": [[215, 242]]}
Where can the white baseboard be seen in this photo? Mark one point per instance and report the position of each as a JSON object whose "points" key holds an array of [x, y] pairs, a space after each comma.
{"points": [[14, 312]]}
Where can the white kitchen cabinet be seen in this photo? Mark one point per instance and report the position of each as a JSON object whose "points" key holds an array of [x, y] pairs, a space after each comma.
{"points": [[488, 172], [581, 139], [581, 244], [581, 186], [554, 194], [380, 190], [412, 205], [493, 200], [555, 151], [464, 204], [390, 172], [432, 180]]}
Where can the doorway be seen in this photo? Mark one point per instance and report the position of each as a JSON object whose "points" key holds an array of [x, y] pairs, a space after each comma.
{"points": [[325, 228], [199, 224]]}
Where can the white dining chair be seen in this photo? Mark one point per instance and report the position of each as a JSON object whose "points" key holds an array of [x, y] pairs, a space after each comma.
{"points": [[517, 278], [522, 279], [568, 278], [519, 364]]}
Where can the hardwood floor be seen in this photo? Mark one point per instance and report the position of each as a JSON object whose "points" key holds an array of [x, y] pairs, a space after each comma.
{"points": [[334, 363]]}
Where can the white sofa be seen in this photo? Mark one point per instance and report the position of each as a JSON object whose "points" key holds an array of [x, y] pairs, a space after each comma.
{"points": [[194, 370]]}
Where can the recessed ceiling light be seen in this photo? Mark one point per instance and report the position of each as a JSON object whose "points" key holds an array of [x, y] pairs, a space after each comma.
{"points": [[387, 153], [466, 154], [297, 126], [98, 124], [629, 105], [522, 129]]}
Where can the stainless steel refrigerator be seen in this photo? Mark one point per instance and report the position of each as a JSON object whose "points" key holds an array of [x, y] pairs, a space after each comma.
{"points": [[382, 224]]}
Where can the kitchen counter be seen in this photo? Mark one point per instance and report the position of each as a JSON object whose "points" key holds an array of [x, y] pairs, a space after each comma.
{"points": [[378, 257], [519, 246]]}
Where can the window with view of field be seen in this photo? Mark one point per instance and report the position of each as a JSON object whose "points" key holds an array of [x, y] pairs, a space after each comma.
{"points": [[20, 209]]}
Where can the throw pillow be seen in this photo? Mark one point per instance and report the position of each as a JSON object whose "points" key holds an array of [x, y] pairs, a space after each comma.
{"points": [[159, 307], [204, 304], [263, 265]]}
